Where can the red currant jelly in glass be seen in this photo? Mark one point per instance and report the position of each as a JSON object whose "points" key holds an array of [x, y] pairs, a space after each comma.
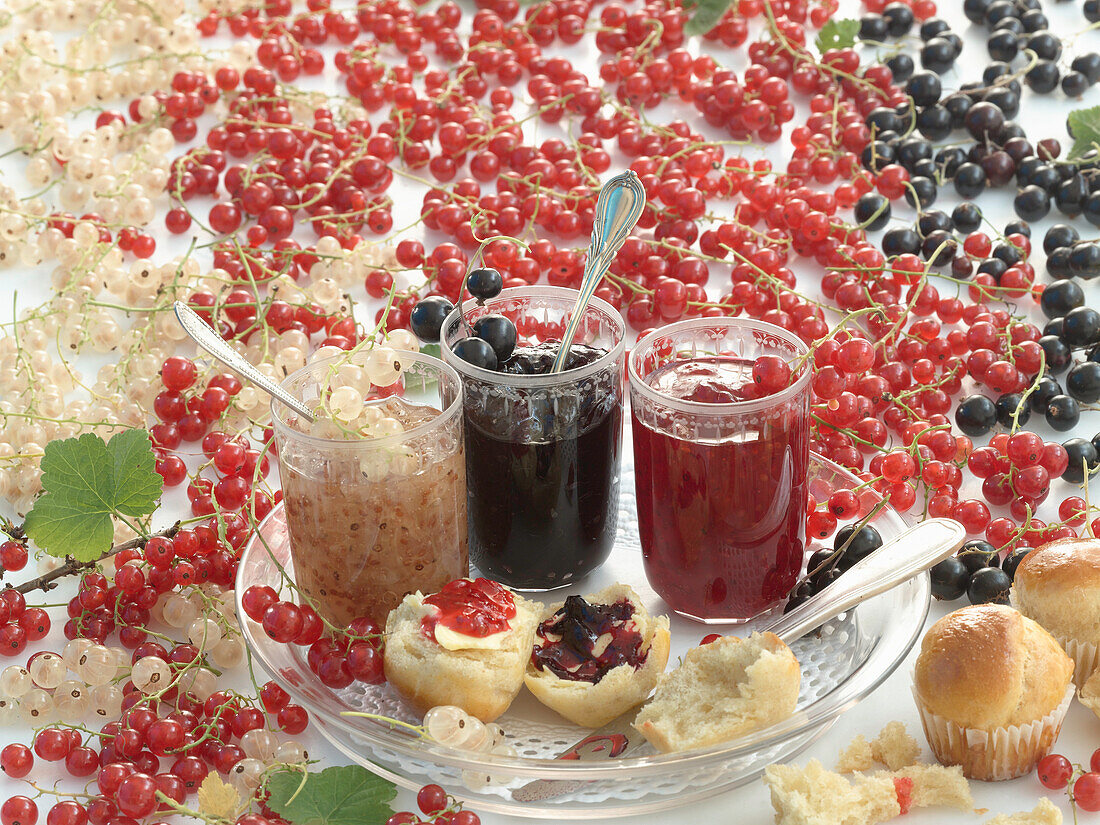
{"points": [[721, 492]]}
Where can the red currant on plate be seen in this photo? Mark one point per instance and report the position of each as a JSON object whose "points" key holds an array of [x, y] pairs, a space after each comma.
{"points": [[1054, 771], [1086, 792]]}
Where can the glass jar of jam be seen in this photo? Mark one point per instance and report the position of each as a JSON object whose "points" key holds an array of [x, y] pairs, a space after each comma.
{"points": [[542, 449], [372, 519]]}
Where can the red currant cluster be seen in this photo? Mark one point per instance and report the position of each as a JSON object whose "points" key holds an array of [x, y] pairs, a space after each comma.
{"points": [[438, 807], [19, 624], [355, 654], [1057, 772], [140, 244], [196, 736]]}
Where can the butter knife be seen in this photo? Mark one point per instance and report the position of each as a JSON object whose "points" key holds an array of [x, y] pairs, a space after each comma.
{"points": [[914, 551]]}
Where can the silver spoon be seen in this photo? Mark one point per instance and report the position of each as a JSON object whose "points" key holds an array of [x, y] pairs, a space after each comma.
{"points": [[618, 207], [205, 337]]}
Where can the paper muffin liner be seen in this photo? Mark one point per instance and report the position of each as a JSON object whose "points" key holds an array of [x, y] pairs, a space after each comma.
{"points": [[1086, 658], [1000, 753]]}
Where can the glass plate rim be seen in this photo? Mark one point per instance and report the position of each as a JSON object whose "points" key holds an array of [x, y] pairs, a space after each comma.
{"points": [[826, 708]]}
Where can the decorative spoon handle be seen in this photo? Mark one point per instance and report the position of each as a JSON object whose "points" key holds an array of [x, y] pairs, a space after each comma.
{"points": [[618, 208], [914, 551], [210, 341]]}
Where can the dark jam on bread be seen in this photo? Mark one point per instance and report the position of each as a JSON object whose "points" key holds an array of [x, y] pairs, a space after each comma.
{"points": [[582, 641], [473, 608]]}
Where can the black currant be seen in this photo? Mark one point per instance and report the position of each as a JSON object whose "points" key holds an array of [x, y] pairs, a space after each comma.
{"points": [[872, 211], [484, 283], [1013, 559], [1059, 235], [990, 585], [1007, 405], [1058, 355], [1045, 389], [1081, 327], [1032, 203], [925, 88], [1083, 382], [1083, 458], [976, 415], [426, 318], [984, 120], [499, 332], [1060, 298], [949, 579], [969, 180], [1063, 413], [476, 351], [863, 543], [966, 217]]}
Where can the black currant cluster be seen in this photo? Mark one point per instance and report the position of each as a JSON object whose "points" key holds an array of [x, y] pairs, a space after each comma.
{"points": [[1019, 26], [494, 337], [939, 45], [978, 573], [850, 545]]}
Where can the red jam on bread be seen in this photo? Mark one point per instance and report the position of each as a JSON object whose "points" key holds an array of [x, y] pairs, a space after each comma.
{"points": [[582, 641], [477, 609]]}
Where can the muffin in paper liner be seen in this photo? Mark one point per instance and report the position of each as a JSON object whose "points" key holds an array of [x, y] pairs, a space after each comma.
{"points": [[1086, 659], [1000, 753], [1085, 655]]}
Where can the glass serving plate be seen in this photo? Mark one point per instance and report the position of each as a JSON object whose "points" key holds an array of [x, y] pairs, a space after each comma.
{"points": [[841, 663]]}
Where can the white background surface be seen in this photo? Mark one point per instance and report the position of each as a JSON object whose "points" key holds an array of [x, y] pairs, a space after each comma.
{"points": [[749, 805]]}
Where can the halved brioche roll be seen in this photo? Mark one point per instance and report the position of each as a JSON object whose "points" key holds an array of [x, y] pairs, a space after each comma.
{"points": [[481, 681], [592, 704], [721, 691]]}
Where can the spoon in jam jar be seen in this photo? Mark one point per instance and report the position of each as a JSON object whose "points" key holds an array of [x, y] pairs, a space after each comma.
{"points": [[618, 207], [205, 337]]}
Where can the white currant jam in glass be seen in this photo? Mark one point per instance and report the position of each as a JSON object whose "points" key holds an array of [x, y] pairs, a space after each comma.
{"points": [[372, 519]]}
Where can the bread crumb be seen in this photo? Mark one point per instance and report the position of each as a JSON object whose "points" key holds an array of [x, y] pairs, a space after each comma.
{"points": [[1045, 813], [937, 785], [1090, 693], [856, 757], [815, 796], [894, 747]]}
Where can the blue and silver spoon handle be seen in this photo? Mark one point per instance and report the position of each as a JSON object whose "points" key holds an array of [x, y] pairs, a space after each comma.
{"points": [[618, 207]]}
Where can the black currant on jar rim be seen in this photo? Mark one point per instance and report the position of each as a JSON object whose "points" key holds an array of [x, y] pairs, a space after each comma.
{"points": [[542, 450]]}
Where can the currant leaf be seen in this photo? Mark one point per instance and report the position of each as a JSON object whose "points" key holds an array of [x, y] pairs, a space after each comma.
{"points": [[218, 798], [86, 482], [1084, 128], [837, 34], [706, 16], [341, 795]]}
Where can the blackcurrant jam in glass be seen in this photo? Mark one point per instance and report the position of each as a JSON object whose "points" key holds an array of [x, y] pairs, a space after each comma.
{"points": [[542, 469]]}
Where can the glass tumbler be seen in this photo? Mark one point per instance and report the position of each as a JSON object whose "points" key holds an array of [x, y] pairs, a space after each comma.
{"points": [[721, 482], [372, 519], [542, 450]]}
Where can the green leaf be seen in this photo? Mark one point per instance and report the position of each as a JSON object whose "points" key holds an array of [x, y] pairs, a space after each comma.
{"points": [[344, 795], [837, 34], [86, 481], [1084, 128], [706, 17]]}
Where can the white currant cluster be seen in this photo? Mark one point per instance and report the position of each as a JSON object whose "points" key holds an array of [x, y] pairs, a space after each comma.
{"points": [[207, 615], [80, 680], [454, 727], [263, 750]]}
